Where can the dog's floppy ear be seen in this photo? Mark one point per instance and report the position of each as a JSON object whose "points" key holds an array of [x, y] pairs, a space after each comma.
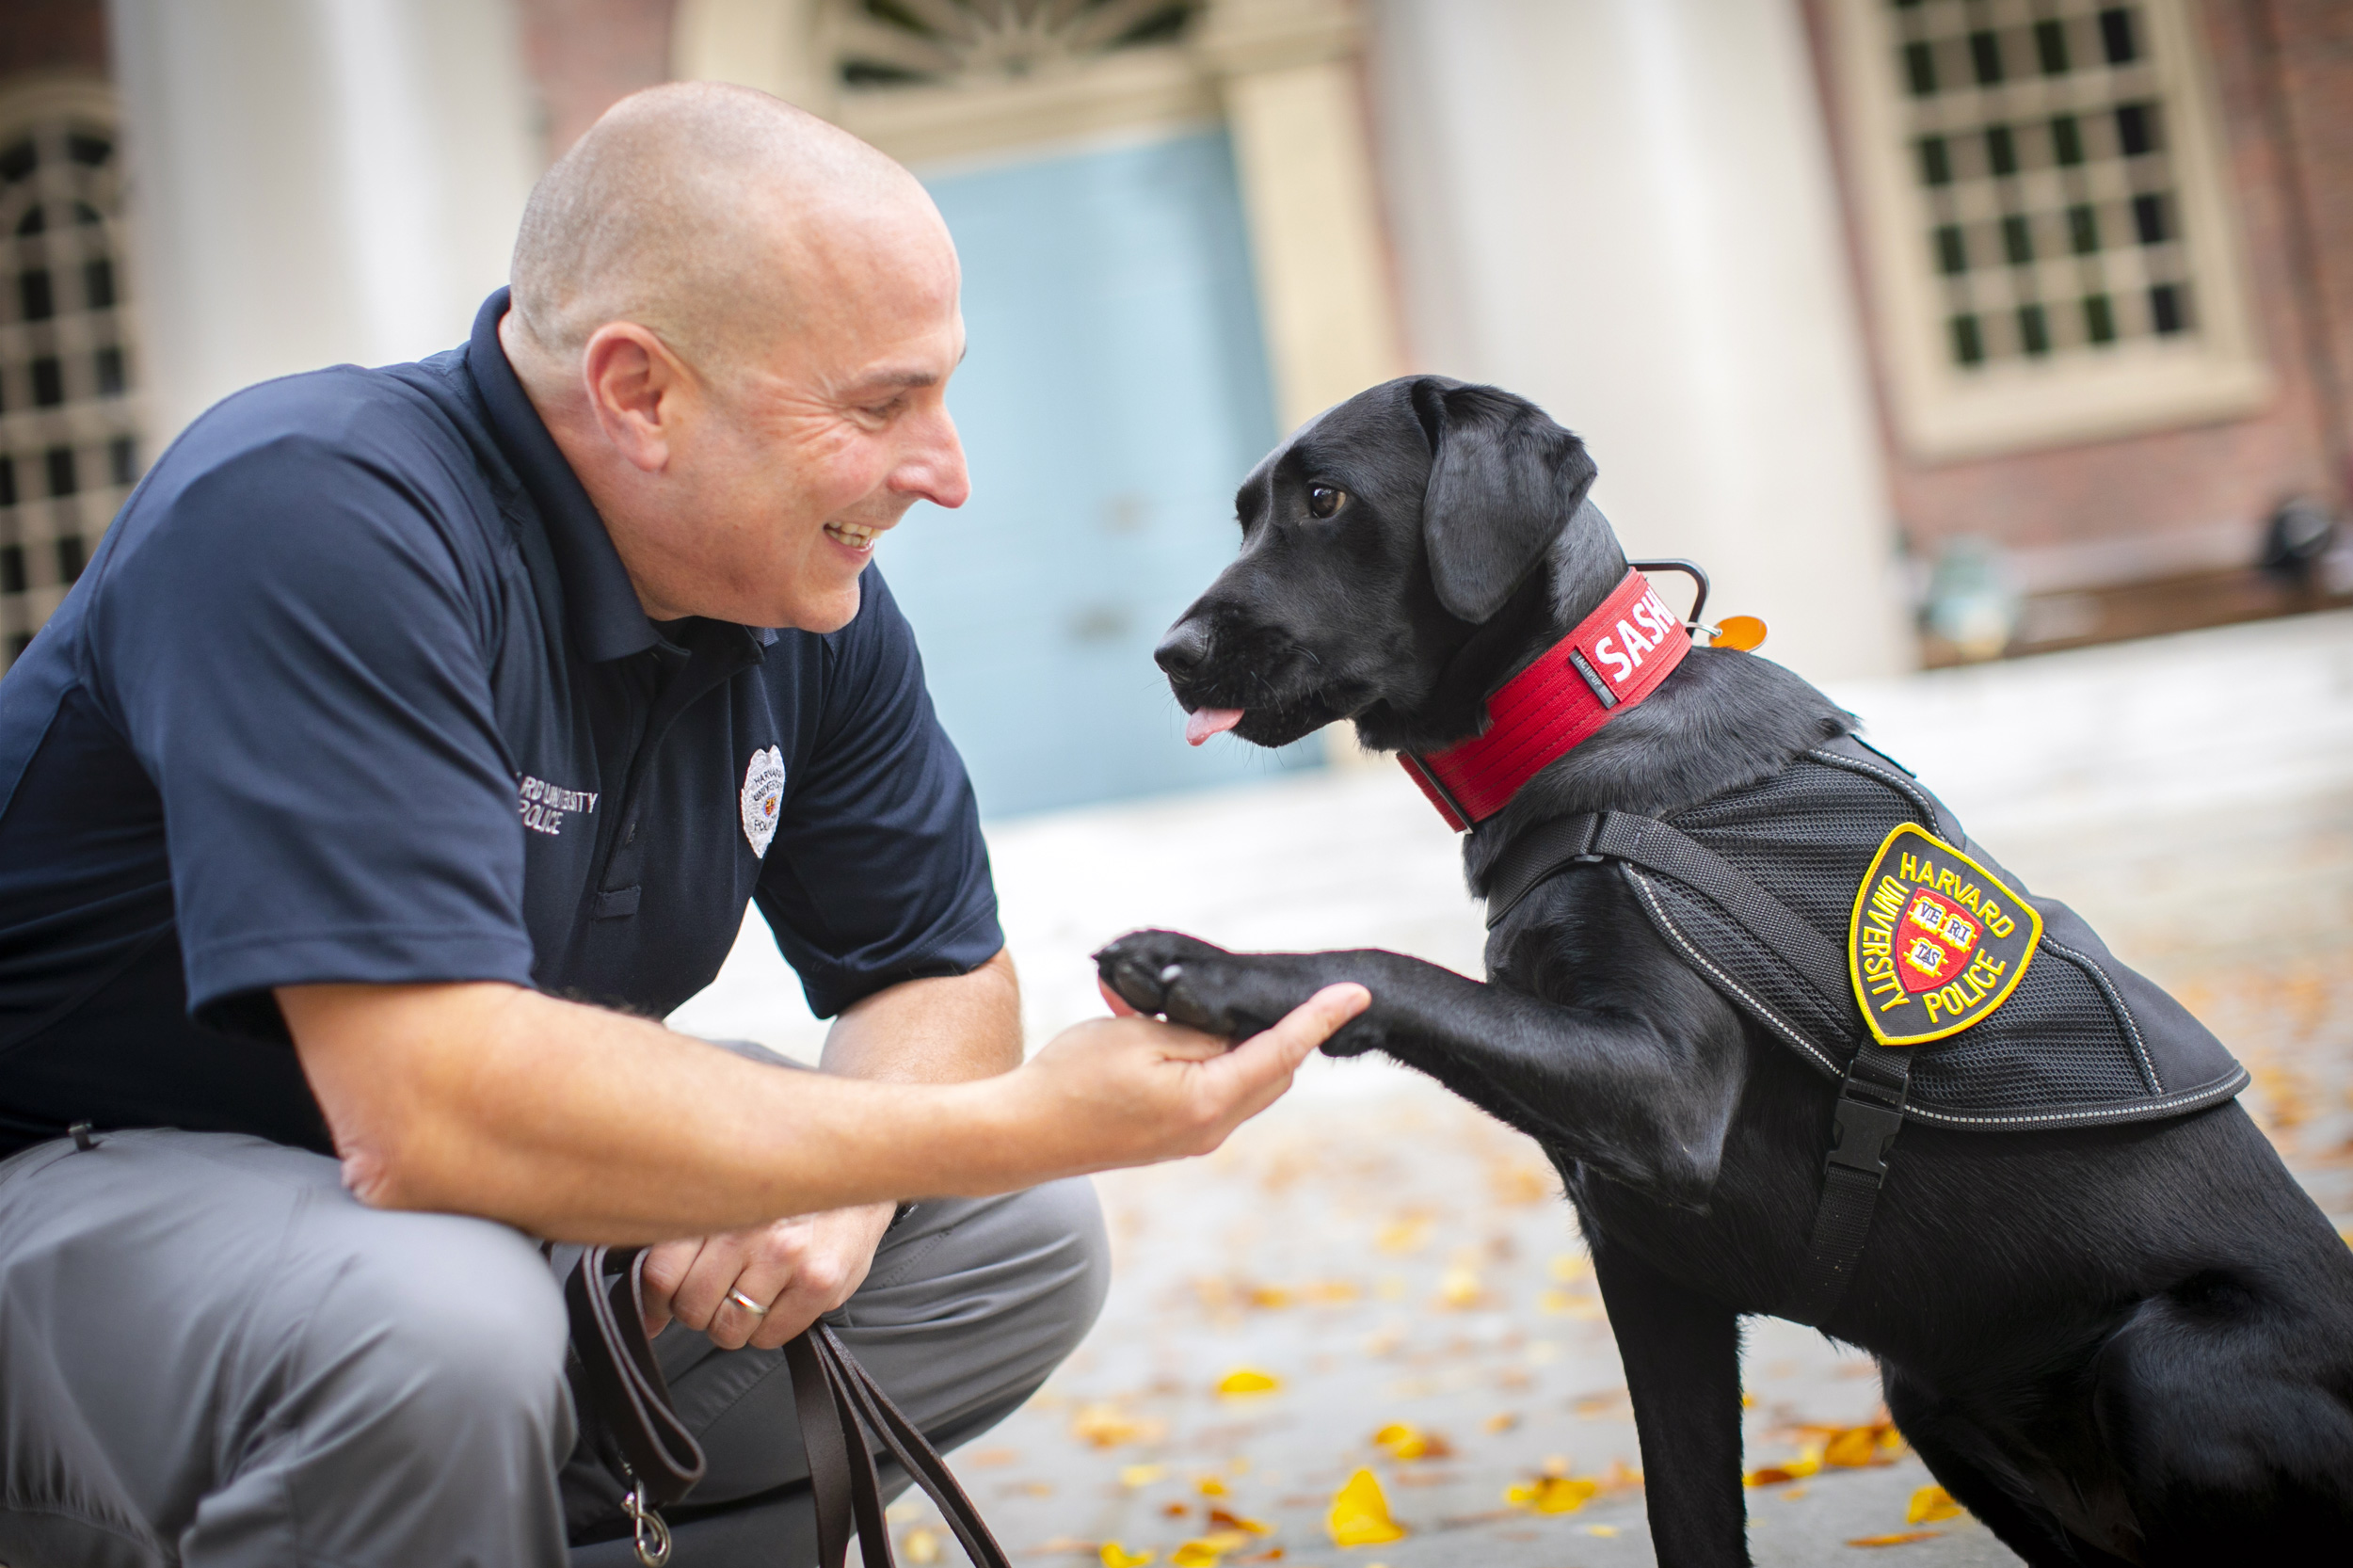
{"points": [[1504, 479]]}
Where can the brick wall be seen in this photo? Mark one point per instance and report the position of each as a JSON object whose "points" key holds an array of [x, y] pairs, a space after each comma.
{"points": [[2284, 72], [53, 35], [583, 55]]}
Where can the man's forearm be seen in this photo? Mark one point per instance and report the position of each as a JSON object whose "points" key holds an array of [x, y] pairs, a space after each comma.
{"points": [[942, 1031], [582, 1125]]}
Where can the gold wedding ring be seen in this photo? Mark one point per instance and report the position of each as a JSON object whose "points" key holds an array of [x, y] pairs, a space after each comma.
{"points": [[747, 1303]]}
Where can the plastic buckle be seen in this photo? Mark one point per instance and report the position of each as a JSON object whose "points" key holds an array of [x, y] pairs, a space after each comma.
{"points": [[1862, 1133]]}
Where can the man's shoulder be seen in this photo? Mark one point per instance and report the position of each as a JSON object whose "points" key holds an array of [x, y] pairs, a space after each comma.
{"points": [[400, 415], [378, 449]]}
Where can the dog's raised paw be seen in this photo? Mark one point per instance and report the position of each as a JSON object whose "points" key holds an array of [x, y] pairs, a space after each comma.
{"points": [[1144, 965], [1189, 982]]}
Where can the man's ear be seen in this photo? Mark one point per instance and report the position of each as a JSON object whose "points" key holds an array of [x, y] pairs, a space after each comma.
{"points": [[1504, 480]]}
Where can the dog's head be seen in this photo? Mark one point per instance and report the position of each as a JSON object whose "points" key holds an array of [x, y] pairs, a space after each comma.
{"points": [[1395, 551]]}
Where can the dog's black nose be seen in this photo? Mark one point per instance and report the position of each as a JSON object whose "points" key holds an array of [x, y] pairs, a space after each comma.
{"points": [[1183, 649]]}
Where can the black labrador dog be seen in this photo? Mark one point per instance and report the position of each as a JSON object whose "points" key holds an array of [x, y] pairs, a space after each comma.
{"points": [[2112, 1344]]}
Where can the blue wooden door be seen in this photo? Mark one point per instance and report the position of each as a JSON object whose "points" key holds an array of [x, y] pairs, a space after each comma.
{"points": [[1114, 394]]}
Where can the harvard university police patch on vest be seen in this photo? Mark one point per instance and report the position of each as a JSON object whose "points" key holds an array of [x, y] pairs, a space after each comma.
{"points": [[1937, 942]]}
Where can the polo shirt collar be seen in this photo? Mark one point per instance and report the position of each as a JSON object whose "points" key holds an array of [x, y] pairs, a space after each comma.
{"points": [[600, 604]]}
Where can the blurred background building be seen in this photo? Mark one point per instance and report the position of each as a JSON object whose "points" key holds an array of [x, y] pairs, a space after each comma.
{"points": [[1936, 329]]}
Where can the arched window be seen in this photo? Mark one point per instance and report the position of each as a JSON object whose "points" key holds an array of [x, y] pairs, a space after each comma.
{"points": [[69, 432], [882, 43]]}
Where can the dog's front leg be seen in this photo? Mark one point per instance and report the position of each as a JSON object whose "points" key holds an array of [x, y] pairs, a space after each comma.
{"points": [[1682, 1356], [1642, 1092]]}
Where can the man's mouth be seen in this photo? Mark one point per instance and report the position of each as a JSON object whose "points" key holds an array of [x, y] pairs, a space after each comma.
{"points": [[852, 535]]}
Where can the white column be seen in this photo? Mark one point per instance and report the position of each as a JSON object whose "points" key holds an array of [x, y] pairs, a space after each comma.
{"points": [[1289, 71], [1625, 210], [314, 182]]}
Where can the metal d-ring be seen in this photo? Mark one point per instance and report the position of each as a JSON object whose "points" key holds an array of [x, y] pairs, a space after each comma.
{"points": [[1691, 569]]}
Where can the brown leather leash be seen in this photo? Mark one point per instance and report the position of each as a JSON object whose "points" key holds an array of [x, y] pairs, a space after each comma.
{"points": [[639, 1435]]}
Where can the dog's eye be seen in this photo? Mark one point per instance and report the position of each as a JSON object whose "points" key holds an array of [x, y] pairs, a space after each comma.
{"points": [[1322, 500]]}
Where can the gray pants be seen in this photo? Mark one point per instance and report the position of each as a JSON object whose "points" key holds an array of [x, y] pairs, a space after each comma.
{"points": [[212, 1354]]}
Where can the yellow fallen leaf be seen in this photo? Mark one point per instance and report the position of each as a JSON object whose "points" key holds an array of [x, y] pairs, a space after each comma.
{"points": [[1553, 1301], [1747, 1401], [1107, 1426], [1502, 1420], [1194, 1554], [1460, 1287], [1247, 1380], [1620, 1477], [1209, 1486], [1794, 1494], [1902, 1538], [1521, 1183], [1407, 1233], [1929, 1504], [1224, 1520], [1568, 1266], [1272, 1296], [920, 1546], [1605, 1531], [1553, 1494], [1403, 1440], [1851, 1448], [1360, 1514], [1807, 1463], [1140, 1475], [1114, 1555]]}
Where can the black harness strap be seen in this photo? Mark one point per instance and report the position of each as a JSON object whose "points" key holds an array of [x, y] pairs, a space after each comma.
{"points": [[1656, 846], [1864, 1123], [1870, 1106]]}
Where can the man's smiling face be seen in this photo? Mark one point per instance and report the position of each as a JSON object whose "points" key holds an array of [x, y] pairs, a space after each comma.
{"points": [[800, 457]]}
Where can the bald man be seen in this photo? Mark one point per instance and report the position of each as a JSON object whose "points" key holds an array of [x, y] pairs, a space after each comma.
{"points": [[416, 737]]}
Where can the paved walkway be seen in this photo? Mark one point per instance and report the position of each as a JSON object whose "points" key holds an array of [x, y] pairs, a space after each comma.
{"points": [[1391, 1258]]}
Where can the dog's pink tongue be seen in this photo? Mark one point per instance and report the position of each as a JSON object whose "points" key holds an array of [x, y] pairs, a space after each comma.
{"points": [[1202, 723]]}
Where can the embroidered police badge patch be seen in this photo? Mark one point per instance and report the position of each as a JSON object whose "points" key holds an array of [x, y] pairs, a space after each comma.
{"points": [[763, 797], [1937, 942]]}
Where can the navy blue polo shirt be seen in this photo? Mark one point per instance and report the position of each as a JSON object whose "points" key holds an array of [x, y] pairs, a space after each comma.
{"points": [[356, 688]]}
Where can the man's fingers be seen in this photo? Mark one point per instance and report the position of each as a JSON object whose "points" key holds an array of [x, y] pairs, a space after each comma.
{"points": [[1275, 1053], [1112, 999]]}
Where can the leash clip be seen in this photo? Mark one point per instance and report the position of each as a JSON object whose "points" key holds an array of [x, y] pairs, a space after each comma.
{"points": [[649, 1533]]}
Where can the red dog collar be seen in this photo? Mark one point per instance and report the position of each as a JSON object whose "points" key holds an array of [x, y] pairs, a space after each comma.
{"points": [[1615, 658]]}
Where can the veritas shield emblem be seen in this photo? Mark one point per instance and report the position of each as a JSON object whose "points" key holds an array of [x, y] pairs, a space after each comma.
{"points": [[1937, 942], [763, 797]]}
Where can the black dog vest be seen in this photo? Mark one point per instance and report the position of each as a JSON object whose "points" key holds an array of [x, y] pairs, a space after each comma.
{"points": [[1841, 880]]}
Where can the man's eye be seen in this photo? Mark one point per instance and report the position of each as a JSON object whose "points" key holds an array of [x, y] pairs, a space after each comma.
{"points": [[1322, 500]]}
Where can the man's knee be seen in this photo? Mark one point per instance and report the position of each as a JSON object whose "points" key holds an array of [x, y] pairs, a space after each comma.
{"points": [[995, 1291], [1060, 1224], [445, 1327]]}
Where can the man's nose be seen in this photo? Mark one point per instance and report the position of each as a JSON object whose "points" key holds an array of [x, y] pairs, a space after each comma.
{"points": [[1184, 649], [936, 472]]}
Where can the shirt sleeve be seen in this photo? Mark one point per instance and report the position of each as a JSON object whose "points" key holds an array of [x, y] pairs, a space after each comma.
{"points": [[879, 874], [293, 656]]}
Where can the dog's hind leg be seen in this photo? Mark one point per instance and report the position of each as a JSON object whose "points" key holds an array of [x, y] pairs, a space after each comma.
{"points": [[1968, 1462], [1682, 1356], [2230, 1410]]}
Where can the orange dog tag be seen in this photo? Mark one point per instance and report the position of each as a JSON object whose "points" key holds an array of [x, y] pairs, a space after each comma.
{"points": [[1744, 633]]}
